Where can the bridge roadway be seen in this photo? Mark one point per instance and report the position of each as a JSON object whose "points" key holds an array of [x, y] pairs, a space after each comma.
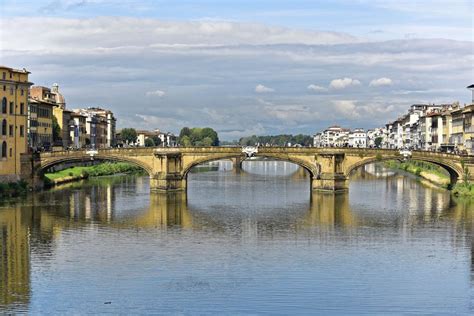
{"points": [[168, 168]]}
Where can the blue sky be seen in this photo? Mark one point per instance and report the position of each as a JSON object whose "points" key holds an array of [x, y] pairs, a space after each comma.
{"points": [[245, 67]]}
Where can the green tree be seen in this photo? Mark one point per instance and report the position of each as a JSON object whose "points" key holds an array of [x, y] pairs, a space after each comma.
{"points": [[207, 141], [208, 132], [197, 136], [56, 130], [185, 141], [378, 141], [185, 131], [156, 140], [129, 135], [149, 142]]}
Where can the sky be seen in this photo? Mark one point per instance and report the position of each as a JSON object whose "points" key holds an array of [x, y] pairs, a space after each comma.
{"points": [[245, 67]]}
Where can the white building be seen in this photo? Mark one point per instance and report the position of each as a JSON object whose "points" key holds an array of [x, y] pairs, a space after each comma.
{"points": [[358, 138], [165, 139]]}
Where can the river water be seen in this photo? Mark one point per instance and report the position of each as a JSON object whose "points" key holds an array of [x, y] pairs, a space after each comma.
{"points": [[250, 242]]}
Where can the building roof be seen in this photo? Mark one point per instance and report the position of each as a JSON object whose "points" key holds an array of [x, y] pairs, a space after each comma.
{"points": [[24, 71]]}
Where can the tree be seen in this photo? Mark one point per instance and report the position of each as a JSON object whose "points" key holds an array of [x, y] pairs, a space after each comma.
{"points": [[197, 136], [378, 142], [149, 142], [208, 132], [156, 140], [56, 130], [185, 131], [207, 142], [129, 135], [185, 141]]}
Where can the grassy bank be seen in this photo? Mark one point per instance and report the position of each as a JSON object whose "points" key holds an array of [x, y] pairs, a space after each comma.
{"points": [[13, 189], [434, 174], [78, 173], [428, 171], [464, 189]]}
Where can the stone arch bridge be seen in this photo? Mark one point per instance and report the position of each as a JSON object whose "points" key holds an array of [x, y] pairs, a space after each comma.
{"points": [[329, 168]]}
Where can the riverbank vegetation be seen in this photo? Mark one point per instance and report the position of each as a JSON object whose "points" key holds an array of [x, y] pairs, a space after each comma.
{"points": [[434, 174], [78, 173], [13, 189]]}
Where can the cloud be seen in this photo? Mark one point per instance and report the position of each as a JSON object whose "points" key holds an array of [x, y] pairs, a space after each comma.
{"points": [[204, 68], [156, 122], [55, 34], [260, 88], [384, 81], [347, 108], [292, 114], [157, 93], [316, 88], [344, 83]]}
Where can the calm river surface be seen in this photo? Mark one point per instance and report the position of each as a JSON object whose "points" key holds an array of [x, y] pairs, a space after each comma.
{"points": [[254, 242]]}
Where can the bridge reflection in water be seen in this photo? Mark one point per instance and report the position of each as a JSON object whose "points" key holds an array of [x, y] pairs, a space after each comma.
{"points": [[29, 230]]}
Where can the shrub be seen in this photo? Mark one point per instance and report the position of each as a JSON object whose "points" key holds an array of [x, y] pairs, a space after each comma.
{"points": [[418, 171]]}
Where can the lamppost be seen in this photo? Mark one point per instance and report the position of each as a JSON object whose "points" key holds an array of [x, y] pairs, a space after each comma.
{"points": [[471, 87]]}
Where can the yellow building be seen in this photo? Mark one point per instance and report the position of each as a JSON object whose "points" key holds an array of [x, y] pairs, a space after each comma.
{"points": [[63, 116], [14, 86], [468, 114], [457, 135]]}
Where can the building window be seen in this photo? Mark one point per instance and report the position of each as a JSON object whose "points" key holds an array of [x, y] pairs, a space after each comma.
{"points": [[22, 92], [4, 76], [11, 91], [22, 131], [4, 149], [10, 130], [4, 105], [11, 152], [22, 108], [11, 107], [4, 127]]}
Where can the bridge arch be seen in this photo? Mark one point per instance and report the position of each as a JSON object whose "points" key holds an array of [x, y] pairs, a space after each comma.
{"points": [[454, 171], [81, 159], [313, 170]]}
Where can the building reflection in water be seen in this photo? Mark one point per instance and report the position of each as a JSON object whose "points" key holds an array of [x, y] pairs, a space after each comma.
{"points": [[15, 223]]}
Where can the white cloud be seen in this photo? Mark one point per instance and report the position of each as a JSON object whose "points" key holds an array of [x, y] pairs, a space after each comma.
{"points": [[316, 88], [292, 114], [384, 81], [260, 88], [63, 34], [344, 83], [156, 93], [346, 108], [204, 69], [153, 122]]}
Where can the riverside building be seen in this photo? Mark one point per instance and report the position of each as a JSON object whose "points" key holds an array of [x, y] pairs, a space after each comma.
{"points": [[14, 87]]}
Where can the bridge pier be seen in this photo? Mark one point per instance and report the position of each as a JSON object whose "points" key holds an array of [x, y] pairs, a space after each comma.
{"points": [[327, 182], [236, 164], [167, 183], [331, 177], [167, 173]]}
